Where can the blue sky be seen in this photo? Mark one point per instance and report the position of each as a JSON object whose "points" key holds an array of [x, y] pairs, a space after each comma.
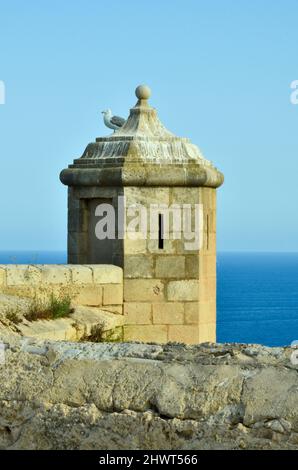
{"points": [[220, 73]]}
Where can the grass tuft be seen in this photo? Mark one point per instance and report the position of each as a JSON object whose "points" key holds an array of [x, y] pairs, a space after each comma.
{"points": [[50, 310], [100, 335], [13, 315]]}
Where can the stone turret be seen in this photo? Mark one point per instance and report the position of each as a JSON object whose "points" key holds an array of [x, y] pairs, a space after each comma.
{"points": [[159, 193]]}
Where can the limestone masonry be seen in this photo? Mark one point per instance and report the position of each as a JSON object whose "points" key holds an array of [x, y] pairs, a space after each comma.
{"points": [[96, 292], [169, 292]]}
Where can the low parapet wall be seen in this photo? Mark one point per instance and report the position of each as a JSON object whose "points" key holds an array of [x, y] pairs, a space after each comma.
{"points": [[153, 309], [92, 285]]}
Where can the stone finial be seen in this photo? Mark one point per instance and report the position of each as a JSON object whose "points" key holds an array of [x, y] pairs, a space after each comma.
{"points": [[143, 92]]}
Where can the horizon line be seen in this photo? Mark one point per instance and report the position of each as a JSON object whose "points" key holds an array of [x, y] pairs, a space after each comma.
{"points": [[18, 250]]}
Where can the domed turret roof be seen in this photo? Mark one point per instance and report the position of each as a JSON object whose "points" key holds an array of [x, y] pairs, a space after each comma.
{"points": [[142, 152]]}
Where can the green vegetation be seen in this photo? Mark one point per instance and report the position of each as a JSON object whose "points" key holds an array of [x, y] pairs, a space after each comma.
{"points": [[13, 315], [98, 335], [49, 310]]}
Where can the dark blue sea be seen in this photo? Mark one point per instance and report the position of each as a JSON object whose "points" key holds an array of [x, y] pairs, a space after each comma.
{"points": [[257, 294], [257, 298]]}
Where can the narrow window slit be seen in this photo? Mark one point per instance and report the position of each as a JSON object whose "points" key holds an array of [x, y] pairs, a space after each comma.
{"points": [[160, 231]]}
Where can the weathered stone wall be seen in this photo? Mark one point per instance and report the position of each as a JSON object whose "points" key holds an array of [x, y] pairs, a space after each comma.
{"points": [[170, 293], [163, 296], [136, 396], [92, 285]]}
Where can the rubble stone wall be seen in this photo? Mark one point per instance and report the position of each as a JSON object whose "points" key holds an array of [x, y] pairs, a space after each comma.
{"points": [[59, 395]]}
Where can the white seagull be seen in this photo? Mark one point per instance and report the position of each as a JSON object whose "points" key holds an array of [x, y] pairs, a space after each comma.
{"points": [[113, 122]]}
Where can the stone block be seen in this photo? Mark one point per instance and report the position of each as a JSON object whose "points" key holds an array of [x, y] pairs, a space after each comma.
{"points": [[134, 247], [138, 266], [143, 290], [169, 246], [207, 266], [184, 246], [18, 274], [183, 290], [207, 312], [137, 313], [170, 267], [146, 196], [208, 197], [106, 274], [173, 176], [211, 266], [182, 195], [187, 334], [89, 317], [192, 266], [26, 291], [168, 313], [207, 332], [89, 295], [208, 289], [61, 329], [146, 333], [81, 274], [55, 274], [212, 221], [191, 313], [210, 244], [112, 294], [117, 309]]}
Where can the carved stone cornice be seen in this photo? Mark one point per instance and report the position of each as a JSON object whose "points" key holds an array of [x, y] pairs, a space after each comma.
{"points": [[142, 152]]}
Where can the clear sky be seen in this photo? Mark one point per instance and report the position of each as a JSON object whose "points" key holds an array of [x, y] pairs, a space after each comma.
{"points": [[220, 73]]}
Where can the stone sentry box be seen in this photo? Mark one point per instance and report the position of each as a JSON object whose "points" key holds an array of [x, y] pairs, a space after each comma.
{"points": [[169, 291]]}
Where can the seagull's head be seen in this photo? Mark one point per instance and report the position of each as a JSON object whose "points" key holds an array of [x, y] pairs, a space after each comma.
{"points": [[107, 112]]}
